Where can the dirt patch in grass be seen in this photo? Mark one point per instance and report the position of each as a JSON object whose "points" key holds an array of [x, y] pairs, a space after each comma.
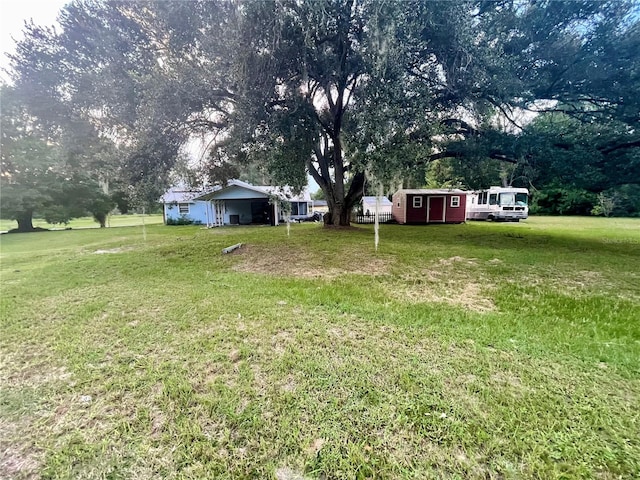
{"points": [[113, 250], [26, 378], [17, 462], [566, 279], [562, 278], [278, 260], [286, 473], [454, 281], [37, 375]]}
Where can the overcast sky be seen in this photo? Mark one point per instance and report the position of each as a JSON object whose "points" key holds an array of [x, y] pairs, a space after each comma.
{"points": [[13, 14]]}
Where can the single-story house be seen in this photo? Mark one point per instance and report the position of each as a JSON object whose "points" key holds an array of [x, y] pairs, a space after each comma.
{"points": [[429, 206], [320, 206], [236, 203]]}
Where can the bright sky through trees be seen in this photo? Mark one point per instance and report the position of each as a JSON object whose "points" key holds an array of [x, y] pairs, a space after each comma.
{"points": [[13, 14]]}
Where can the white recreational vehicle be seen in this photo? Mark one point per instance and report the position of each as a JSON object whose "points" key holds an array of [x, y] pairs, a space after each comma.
{"points": [[498, 203]]}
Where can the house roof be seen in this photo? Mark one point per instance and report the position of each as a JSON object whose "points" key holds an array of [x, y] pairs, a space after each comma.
{"points": [[432, 191], [371, 201], [286, 193], [182, 194]]}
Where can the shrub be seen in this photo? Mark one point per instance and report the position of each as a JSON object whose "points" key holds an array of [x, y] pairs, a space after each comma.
{"points": [[183, 220]]}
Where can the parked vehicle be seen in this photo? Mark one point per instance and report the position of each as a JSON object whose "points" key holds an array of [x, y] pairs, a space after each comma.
{"points": [[498, 203]]}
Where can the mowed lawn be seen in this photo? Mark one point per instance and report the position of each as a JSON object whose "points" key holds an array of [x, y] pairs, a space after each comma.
{"points": [[128, 220], [485, 350]]}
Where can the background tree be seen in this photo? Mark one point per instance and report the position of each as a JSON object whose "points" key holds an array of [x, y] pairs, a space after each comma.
{"points": [[28, 184], [37, 178], [28, 175]]}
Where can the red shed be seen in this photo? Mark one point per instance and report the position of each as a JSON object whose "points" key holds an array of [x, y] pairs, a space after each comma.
{"points": [[429, 206]]}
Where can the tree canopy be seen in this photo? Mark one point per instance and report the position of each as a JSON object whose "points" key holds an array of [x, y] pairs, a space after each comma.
{"points": [[38, 177], [340, 90]]}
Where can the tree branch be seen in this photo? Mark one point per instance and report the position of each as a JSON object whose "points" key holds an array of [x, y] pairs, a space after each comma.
{"points": [[495, 155], [462, 126], [619, 146], [313, 171], [355, 190]]}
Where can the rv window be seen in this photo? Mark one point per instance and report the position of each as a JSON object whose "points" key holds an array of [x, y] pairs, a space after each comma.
{"points": [[417, 202], [482, 199], [493, 199], [507, 198], [455, 201], [183, 208], [521, 199]]}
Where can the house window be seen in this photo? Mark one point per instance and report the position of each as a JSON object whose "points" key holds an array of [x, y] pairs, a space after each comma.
{"points": [[455, 201], [417, 202], [183, 208], [298, 208]]}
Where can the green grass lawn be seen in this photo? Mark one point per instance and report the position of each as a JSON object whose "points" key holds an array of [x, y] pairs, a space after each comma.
{"points": [[485, 350], [88, 222]]}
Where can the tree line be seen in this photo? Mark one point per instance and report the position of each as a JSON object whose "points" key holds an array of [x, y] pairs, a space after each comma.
{"points": [[350, 92]]}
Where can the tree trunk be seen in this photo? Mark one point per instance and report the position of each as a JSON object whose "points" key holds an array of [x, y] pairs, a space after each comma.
{"points": [[25, 221], [338, 216], [340, 207], [101, 218]]}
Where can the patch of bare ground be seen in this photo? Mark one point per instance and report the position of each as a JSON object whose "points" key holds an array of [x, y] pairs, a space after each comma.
{"points": [[18, 462], [277, 260], [36, 375], [113, 250], [561, 278], [287, 473], [450, 280], [509, 381], [19, 457], [577, 283], [53, 409]]}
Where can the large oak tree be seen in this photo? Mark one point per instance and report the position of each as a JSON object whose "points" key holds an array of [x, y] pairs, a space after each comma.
{"points": [[338, 89]]}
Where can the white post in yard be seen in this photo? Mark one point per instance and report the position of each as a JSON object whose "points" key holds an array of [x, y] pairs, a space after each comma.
{"points": [[376, 227], [144, 227], [287, 215]]}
